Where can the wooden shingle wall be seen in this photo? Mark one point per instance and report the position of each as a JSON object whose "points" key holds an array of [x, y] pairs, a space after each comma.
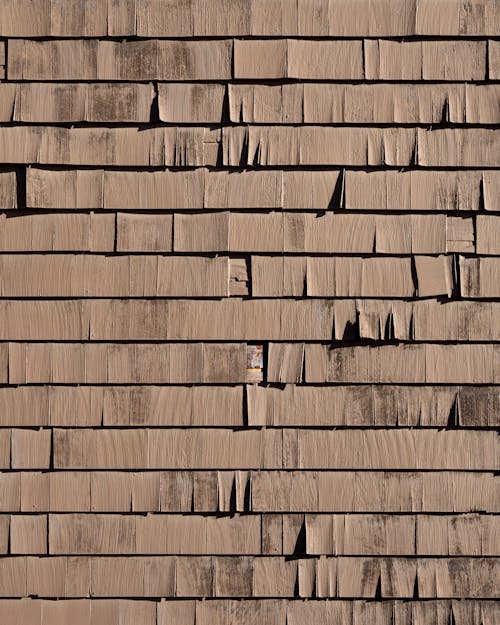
{"points": [[249, 312]]}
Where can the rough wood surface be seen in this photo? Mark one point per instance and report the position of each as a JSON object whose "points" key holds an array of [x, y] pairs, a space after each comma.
{"points": [[249, 312]]}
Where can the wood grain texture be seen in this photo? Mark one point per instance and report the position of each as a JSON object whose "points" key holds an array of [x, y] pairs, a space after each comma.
{"points": [[249, 312]]}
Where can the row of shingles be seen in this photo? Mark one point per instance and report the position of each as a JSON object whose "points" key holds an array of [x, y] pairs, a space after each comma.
{"points": [[375, 191], [289, 103], [269, 612], [256, 405], [181, 328], [142, 362], [249, 146], [272, 493], [271, 449], [251, 577], [195, 18], [437, 233], [294, 276], [236, 188], [226, 363], [215, 18], [272, 276], [251, 232], [341, 535], [266, 59]]}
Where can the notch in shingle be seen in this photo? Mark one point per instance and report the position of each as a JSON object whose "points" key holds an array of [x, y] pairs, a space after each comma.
{"points": [[255, 363]]}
